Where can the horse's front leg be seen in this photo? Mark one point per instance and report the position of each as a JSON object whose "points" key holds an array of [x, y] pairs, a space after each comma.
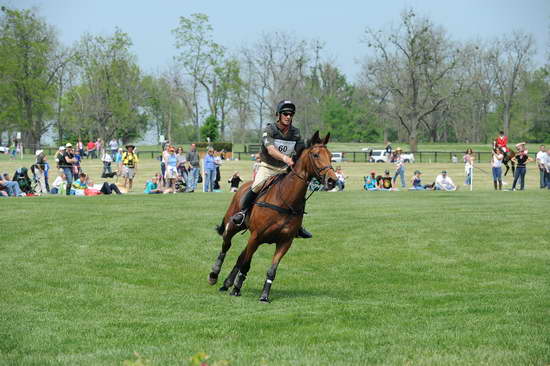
{"points": [[280, 251], [216, 268], [244, 266]]}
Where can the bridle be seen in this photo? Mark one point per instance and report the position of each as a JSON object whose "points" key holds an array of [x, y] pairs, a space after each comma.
{"points": [[316, 172]]}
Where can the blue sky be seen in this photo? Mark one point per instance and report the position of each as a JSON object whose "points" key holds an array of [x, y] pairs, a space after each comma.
{"points": [[340, 24]]}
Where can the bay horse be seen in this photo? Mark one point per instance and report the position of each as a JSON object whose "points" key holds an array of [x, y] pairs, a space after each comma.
{"points": [[508, 156], [275, 217]]}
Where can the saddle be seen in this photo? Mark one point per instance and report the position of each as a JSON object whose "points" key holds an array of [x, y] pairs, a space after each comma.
{"points": [[271, 182]]}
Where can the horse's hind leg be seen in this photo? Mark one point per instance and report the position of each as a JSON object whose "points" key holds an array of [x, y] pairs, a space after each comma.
{"points": [[281, 250], [231, 277], [244, 266]]}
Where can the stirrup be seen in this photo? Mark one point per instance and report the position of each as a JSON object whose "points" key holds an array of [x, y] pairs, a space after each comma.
{"points": [[238, 218]]}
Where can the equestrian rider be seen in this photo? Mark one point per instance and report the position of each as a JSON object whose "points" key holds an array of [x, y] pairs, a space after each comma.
{"points": [[502, 142], [280, 141]]}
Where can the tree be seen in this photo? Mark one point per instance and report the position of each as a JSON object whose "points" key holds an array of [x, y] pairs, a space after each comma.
{"points": [[509, 58], [410, 70], [109, 100], [210, 128], [29, 64]]}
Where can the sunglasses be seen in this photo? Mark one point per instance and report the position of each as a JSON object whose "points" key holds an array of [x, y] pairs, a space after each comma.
{"points": [[286, 114]]}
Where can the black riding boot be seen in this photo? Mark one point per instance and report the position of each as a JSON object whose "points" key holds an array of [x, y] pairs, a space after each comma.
{"points": [[495, 184], [303, 233], [500, 185], [248, 201]]}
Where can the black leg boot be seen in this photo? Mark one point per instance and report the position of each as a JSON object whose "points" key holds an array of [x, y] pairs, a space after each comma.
{"points": [[495, 184], [303, 233], [248, 201]]}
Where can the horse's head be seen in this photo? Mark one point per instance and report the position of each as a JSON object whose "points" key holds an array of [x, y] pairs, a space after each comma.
{"points": [[317, 159]]}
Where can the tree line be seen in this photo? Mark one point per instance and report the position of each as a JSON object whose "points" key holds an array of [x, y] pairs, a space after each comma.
{"points": [[417, 84]]}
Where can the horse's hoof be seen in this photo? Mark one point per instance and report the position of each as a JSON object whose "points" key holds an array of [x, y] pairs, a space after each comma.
{"points": [[223, 289], [264, 300], [212, 278], [235, 292]]}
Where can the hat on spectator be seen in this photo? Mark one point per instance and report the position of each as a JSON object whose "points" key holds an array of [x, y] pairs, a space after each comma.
{"points": [[444, 172], [386, 171], [417, 172], [398, 149], [130, 146], [38, 152], [373, 171], [61, 147], [68, 144]]}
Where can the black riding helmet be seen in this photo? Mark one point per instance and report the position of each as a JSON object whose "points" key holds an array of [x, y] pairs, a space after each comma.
{"points": [[285, 106]]}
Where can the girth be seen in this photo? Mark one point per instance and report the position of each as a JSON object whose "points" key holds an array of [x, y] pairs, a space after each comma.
{"points": [[281, 210]]}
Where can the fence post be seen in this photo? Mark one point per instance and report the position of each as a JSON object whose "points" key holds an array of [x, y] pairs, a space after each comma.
{"points": [[354, 156], [435, 157]]}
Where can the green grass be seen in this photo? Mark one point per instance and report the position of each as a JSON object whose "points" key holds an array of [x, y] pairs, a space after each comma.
{"points": [[389, 278]]}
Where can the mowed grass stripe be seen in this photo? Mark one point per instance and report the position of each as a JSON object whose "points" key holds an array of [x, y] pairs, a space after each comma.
{"points": [[389, 278]]}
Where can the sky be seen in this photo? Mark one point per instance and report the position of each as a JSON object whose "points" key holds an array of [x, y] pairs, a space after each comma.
{"points": [[339, 24]]}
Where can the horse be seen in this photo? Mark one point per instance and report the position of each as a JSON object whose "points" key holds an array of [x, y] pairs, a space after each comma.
{"points": [[508, 156], [275, 217]]}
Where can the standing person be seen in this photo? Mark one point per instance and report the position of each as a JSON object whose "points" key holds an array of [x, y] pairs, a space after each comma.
{"points": [[400, 167], [66, 162], [129, 166], [59, 155], [90, 149], [218, 161], [99, 147], [280, 141], [468, 159], [13, 149], [194, 168], [171, 169], [541, 158], [521, 159], [113, 146], [234, 181], [39, 172], [209, 170], [256, 166], [180, 155], [496, 164], [80, 147], [388, 149]]}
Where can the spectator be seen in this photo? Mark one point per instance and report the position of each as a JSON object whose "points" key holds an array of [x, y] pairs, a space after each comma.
{"points": [[218, 161], [46, 175], [152, 187], [234, 181], [541, 158], [76, 166], [256, 165], [388, 149], [444, 183], [182, 171], [79, 185], [90, 150], [385, 182], [107, 161], [341, 182], [171, 172], [371, 182], [417, 182], [521, 159], [209, 171], [113, 146], [80, 147], [59, 155], [468, 159], [129, 166], [66, 162], [194, 168], [13, 149], [99, 147], [454, 159], [60, 183], [496, 167], [400, 167], [38, 169], [547, 168], [11, 187], [118, 156], [102, 188]]}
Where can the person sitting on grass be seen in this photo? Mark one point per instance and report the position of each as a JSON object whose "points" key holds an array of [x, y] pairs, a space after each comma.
{"points": [[9, 187], [417, 182], [385, 182], [444, 183], [60, 183], [152, 186], [371, 182], [79, 186], [341, 182]]}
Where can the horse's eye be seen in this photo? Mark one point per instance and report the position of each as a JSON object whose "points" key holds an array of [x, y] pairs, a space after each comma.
{"points": [[316, 156]]}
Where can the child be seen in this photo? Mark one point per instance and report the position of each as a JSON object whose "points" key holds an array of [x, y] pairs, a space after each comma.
{"points": [[235, 181], [370, 182]]}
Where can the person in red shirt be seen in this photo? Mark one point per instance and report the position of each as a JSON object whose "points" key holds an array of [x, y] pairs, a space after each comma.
{"points": [[502, 142], [90, 147]]}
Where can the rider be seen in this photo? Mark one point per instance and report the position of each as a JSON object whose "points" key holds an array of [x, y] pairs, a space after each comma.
{"points": [[502, 142], [280, 141]]}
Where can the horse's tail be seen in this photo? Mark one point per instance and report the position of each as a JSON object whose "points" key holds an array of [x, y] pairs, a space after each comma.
{"points": [[221, 228]]}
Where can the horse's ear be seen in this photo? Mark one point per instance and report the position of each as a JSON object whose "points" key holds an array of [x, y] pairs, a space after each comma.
{"points": [[327, 137], [315, 138]]}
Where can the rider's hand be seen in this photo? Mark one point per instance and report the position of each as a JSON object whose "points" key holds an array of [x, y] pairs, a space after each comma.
{"points": [[288, 160]]}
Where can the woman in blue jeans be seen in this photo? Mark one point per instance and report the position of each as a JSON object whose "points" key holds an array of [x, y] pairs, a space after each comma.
{"points": [[209, 171], [521, 159]]}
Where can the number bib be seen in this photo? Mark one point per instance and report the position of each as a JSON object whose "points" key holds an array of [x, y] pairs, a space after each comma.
{"points": [[284, 147]]}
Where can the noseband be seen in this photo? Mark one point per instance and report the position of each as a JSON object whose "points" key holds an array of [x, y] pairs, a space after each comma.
{"points": [[316, 172]]}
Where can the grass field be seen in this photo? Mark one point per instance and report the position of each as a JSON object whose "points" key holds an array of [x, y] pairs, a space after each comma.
{"points": [[390, 278]]}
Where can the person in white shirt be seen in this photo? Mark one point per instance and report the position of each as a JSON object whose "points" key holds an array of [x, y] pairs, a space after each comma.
{"points": [[107, 160], [113, 146], [468, 165], [547, 169], [399, 167], [60, 183], [541, 158], [444, 183], [341, 182], [496, 164]]}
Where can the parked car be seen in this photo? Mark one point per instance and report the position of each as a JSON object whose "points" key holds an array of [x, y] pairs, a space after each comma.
{"points": [[4, 150], [378, 156], [337, 157]]}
